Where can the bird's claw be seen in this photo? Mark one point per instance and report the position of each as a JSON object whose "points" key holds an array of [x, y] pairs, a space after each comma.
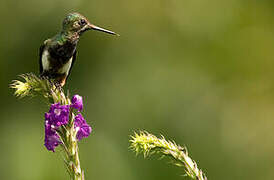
{"points": [[58, 85]]}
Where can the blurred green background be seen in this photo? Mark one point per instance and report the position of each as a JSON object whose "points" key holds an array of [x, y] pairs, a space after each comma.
{"points": [[199, 72]]}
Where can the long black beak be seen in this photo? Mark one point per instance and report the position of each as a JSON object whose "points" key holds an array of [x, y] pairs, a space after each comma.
{"points": [[102, 30]]}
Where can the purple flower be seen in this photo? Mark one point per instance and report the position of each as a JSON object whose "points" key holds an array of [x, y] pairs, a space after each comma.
{"points": [[51, 138], [77, 102], [83, 128], [58, 114]]}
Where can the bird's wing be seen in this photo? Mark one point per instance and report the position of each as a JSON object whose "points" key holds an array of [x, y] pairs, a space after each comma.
{"points": [[42, 47], [73, 61]]}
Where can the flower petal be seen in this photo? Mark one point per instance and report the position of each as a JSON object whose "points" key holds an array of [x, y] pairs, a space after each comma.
{"points": [[77, 102], [81, 124]]}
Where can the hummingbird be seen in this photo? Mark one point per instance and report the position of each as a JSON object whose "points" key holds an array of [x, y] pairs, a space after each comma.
{"points": [[58, 54]]}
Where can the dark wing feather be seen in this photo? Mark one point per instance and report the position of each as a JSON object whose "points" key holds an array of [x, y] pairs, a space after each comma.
{"points": [[73, 61], [41, 50]]}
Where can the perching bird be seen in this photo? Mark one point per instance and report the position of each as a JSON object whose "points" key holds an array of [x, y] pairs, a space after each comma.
{"points": [[57, 54]]}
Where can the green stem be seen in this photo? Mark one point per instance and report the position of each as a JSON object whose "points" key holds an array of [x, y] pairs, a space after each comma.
{"points": [[149, 144], [33, 86], [71, 151]]}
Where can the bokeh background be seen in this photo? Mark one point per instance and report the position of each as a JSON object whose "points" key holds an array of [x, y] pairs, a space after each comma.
{"points": [[198, 72]]}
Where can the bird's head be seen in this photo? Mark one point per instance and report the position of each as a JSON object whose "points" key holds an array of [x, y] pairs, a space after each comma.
{"points": [[77, 23]]}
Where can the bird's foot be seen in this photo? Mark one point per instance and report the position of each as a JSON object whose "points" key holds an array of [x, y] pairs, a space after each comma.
{"points": [[55, 85], [58, 86]]}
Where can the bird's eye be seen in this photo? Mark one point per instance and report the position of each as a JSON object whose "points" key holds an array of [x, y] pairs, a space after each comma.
{"points": [[82, 22]]}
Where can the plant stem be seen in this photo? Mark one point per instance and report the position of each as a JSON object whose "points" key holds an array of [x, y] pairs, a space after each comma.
{"points": [[149, 144], [33, 86], [70, 147]]}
